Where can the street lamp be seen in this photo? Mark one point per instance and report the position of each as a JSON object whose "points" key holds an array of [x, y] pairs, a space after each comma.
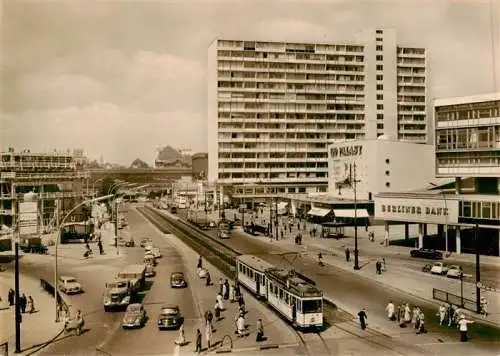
{"points": [[356, 251], [57, 243], [445, 217]]}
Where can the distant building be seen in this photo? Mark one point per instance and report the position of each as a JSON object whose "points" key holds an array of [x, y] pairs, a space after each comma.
{"points": [[200, 165], [139, 163], [53, 176], [171, 157]]}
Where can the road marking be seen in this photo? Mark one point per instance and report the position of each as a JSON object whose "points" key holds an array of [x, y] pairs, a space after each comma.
{"points": [[177, 350]]}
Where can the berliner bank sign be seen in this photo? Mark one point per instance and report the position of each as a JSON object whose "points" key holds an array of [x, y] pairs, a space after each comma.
{"points": [[434, 211]]}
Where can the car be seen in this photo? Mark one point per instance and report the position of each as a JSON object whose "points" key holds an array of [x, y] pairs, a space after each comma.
{"points": [[223, 234], [439, 268], [454, 271], [150, 270], [145, 241], [426, 253], [202, 273], [177, 280], [169, 317], [135, 316], [69, 285], [156, 252]]}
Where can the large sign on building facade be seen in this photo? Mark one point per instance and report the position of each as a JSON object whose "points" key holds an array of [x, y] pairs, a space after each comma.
{"points": [[345, 159], [28, 218], [433, 211]]}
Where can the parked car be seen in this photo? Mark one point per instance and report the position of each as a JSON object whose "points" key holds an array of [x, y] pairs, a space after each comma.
{"points": [[135, 316], [156, 252], [177, 280], [426, 253], [69, 285], [454, 271], [169, 318], [145, 241], [224, 234], [439, 268]]}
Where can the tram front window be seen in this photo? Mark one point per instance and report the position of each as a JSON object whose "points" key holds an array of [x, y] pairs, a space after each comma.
{"points": [[311, 306]]}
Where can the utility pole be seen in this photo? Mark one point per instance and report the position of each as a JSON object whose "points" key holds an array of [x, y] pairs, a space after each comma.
{"points": [[276, 218], [356, 252], [16, 282], [478, 272], [58, 237], [116, 226]]}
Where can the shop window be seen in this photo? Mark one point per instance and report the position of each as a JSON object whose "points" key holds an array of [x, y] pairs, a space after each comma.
{"points": [[466, 209], [486, 210]]}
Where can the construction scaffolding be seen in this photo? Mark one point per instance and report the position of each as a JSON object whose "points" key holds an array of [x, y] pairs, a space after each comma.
{"points": [[53, 176]]}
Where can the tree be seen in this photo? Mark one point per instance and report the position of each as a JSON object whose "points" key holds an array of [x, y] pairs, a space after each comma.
{"points": [[107, 186]]}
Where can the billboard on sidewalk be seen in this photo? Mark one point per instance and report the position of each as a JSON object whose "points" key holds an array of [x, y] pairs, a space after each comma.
{"points": [[28, 218]]}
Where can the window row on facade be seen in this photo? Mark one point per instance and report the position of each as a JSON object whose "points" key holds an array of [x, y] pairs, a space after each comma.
{"points": [[238, 119], [272, 146], [268, 165], [273, 175], [264, 66], [246, 76], [335, 56], [235, 106], [273, 155], [479, 210], [320, 87], [263, 96], [410, 50], [468, 138], [267, 128], [457, 159], [482, 110], [275, 190]]}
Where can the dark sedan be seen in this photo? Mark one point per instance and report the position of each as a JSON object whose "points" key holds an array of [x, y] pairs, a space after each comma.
{"points": [[169, 318], [427, 253], [177, 280]]}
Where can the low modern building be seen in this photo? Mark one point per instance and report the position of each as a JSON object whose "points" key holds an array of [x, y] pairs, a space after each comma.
{"points": [[468, 150], [376, 166]]}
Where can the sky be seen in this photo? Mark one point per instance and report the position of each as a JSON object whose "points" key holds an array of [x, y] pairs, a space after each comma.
{"points": [[121, 78]]}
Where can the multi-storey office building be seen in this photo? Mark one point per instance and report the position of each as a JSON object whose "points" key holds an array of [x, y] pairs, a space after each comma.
{"points": [[274, 107], [467, 149], [52, 176]]}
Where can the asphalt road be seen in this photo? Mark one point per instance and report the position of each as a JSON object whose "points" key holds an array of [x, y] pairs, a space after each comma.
{"points": [[350, 289]]}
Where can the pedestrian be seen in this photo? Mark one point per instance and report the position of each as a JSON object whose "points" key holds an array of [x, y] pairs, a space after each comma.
{"points": [[484, 307], [421, 323], [260, 331], [200, 263], [217, 311], [442, 313], [232, 293], [240, 325], [198, 341], [347, 254], [208, 336], [407, 313], [414, 316], [11, 296], [30, 305], [101, 250], [208, 279], [22, 303], [181, 340], [378, 267], [390, 311], [241, 304], [401, 318], [208, 318], [226, 290], [362, 319], [220, 302], [462, 326], [221, 286]]}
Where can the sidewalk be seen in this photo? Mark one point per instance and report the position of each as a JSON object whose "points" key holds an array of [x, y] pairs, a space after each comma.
{"points": [[277, 332], [37, 328]]}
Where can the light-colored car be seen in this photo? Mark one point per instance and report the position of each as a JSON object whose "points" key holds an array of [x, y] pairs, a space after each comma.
{"points": [[439, 268], [156, 252], [135, 316], [224, 234], [454, 271], [69, 285]]}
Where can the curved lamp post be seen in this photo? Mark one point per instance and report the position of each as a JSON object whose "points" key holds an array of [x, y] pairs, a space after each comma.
{"points": [[57, 244]]}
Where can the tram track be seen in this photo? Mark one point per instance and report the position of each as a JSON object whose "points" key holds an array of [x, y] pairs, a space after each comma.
{"points": [[223, 258]]}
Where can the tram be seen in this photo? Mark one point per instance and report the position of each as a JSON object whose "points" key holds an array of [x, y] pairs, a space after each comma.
{"points": [[251, 272], [296, 299]]}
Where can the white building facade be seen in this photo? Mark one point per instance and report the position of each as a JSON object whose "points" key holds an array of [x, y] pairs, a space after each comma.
{"points": [[467, 149], [378, 166], [273, 107]]}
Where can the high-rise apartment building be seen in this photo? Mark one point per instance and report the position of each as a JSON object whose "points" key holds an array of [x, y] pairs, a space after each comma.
{"points": [[274, 107]]}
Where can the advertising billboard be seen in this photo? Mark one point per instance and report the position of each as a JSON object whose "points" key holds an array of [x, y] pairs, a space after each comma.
{"points": [[432, 211]]}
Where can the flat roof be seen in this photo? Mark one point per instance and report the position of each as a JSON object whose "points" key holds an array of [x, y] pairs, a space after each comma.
{"points": [[255, 262], [325, 199], [435, 195], [466, 99]]}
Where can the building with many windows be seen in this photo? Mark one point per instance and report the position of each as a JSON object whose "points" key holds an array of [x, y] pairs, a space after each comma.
{"points": [[274, 107], [468, 150]]}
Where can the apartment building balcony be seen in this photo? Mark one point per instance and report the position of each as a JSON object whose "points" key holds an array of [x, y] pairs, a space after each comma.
{"points": [[468, 122]]}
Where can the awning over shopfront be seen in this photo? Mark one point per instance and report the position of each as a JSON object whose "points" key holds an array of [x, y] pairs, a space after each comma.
{"points": [[321, 212], [349, 213]]}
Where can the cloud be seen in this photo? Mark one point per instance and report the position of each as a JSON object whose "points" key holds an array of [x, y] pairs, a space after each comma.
{"points": [[289, 28], [103, 128]]}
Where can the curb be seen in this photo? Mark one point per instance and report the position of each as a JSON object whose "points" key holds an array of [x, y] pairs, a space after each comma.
{"points": [[257, 348]]}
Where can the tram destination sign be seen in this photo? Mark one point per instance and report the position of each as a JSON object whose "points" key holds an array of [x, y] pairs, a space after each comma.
{"points": [[434, 211]]}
